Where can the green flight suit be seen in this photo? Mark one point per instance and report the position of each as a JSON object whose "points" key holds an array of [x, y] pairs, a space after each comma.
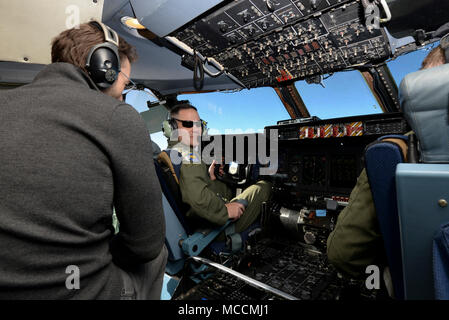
{"points": [[207, 198], [356, 241]]}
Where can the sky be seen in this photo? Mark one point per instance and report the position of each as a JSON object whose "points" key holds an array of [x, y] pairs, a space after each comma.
{"points": [[345, 94]]}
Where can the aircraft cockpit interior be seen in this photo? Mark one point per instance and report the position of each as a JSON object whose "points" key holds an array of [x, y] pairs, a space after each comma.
{"points": [[312, 164]]}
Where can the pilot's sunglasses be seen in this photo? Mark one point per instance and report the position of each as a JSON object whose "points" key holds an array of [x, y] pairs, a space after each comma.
{"points": [[190, 124]]}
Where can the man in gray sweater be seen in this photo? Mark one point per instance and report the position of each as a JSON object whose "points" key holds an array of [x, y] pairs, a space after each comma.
{"points": [[70, 151]]}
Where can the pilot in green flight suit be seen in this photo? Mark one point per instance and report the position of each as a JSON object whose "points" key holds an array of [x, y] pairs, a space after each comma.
{"points": [[356, 241], [209, 199]]}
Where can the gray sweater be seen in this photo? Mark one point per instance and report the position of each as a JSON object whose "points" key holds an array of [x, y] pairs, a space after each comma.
{"points": [[68, 154]]}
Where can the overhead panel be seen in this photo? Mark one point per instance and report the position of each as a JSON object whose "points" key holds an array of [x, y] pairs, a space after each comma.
{"points": [[267, 43], [165, 16], [28, 27]]}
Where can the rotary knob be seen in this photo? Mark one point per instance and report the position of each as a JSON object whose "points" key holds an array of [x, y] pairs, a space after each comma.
{"points": [[309, 237], [223, 27]]}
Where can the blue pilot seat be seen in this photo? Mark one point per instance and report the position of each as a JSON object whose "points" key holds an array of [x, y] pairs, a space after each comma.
{"points": [[182, 240], [422, 188], [381, 160]]}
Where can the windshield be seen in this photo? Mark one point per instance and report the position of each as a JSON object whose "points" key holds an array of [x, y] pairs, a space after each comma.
{"points": [[138, 99], [245, 111], [408, 63], [345, 94]]}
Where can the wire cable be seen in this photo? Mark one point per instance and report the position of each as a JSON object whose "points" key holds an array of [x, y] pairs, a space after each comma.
{"points": [[198, 79]]}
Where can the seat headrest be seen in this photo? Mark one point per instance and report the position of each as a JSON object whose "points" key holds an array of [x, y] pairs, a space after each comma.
{"points": [[164, 159], [400, 141], [424, 97]]}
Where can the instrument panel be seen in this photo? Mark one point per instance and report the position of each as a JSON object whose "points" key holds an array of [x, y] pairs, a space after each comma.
{"points": [[325, 156], [319, 163], [267, 42], [284, 265]]}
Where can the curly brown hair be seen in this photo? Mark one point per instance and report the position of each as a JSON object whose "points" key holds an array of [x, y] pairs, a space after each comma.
{"points": [[73, 45], [434, 59]]}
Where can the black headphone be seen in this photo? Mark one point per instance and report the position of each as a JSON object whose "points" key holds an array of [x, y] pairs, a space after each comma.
{"points": [[103, 60]]}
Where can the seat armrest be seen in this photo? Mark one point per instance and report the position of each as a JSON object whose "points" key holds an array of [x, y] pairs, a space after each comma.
{"points": [[193, 245]]}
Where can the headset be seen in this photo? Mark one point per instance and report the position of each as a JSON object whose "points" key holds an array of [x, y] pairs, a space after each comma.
{"points": [[443, 33], [170, 126], [444, 44], [103, 60]]}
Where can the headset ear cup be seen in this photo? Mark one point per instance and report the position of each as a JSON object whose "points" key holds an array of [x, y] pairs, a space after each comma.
{"points": [[204, 129], [444, 44], [174, 128], [166, 129], [103, 60], [103, 65], [169, 129]]}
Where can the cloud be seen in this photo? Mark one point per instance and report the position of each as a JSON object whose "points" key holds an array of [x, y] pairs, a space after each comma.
{"points": [[215, 109], [213, 131], [241, 131]]}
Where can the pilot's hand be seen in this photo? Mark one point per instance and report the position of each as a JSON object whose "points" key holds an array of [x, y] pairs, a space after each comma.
{"points": [[212, 170], [235, 210]]}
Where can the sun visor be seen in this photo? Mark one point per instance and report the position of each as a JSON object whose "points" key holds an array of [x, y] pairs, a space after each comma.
{"points": [[162, 17], [154, 117], [28, 27]]}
